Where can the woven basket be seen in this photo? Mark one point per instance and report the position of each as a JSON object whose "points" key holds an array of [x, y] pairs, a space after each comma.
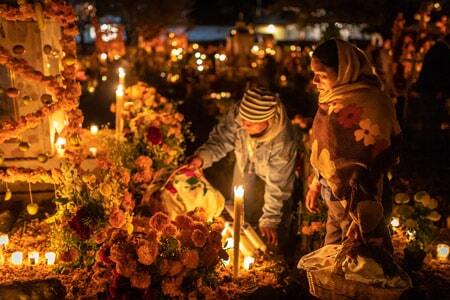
{"points": [[326, 285]]}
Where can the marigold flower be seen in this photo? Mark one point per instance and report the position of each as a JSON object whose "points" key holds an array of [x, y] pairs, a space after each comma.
{"points": [[144, 162], [169, 230], [105, 190], [175, 267], [128, 202], [198, 238], [159, 220], [140, 280], [147, 252], [198, 214], [117, 219], [190, 259], [171, 288]]}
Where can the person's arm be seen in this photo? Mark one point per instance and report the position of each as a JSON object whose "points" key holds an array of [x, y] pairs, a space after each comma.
{"points": [[221, 140], [279, 181]]}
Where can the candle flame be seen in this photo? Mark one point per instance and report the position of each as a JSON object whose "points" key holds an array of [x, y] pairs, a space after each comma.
{"points": [[248, 261], [443, 251], [239, 191], [119, 91]]}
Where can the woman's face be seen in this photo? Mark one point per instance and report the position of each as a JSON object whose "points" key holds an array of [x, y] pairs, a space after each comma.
{"points": [[324, 77]]}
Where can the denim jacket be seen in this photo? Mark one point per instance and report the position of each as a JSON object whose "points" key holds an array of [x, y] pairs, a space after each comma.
{"points": [[273, 161]]}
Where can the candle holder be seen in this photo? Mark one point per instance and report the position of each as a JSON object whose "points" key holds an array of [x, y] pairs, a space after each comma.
{"points": [[50, 258], [33, 258]]}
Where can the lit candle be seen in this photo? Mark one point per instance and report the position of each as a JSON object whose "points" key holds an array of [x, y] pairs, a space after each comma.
{"points": [[119, 105], [395, 222], [93, 151], [103, 57], [238, 216], [442, 251], [50, 258], [17, 258], [4, 240], [248, 261], [33, 258], [60, 145], [122, 74], [94, 129]]}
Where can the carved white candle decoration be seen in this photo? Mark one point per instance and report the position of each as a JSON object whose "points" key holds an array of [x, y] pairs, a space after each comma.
{"points": [[442, 251], [33, 258], [94, 129], [238, 215], [50, 258], [17, 258], [248, 261]]}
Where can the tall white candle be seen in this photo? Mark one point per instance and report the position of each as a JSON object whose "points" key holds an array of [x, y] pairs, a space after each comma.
{"points": [[119, 106], [238, 215]]}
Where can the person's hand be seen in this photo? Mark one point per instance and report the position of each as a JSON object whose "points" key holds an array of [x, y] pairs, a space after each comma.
{"points": [[270, 234], [311, 201], [195, 162], [353, 232]]}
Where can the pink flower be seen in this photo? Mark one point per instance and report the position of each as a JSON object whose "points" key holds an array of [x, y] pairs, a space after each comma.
{"points": [[188, 172], [349, 115], [154, 135]]}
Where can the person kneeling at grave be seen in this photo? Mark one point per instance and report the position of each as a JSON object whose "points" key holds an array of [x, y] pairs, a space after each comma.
{"points": [[260, 134]]}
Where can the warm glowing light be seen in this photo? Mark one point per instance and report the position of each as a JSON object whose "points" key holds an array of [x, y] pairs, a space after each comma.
{"points": [[226, 262], [411, 234], [60, 145], [271, 28], [203, 56], [442, 251], [255, 49], [199, 61], [121, 72], [50, 258], [239, 191], [119, 91], [17, 258], [229, 242], [197, 54], [395, 222], [94, 129], [195, 46], [93, 151], [104, 78], [222, 57], [4, 239], [248, 261], [200, 68], [225, 228], [103, 57], [33, 258], [293, 48]]}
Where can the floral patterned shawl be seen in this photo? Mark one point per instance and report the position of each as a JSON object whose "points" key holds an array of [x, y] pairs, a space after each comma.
{"points": [[353, 125]]}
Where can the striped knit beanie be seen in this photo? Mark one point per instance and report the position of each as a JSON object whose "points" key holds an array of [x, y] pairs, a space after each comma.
{"points": [[258, 105]]}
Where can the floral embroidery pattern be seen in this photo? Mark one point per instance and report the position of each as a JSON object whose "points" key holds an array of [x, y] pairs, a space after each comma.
{"points": [[349, 116], [335, 107], [322, 162], [367, 132]]}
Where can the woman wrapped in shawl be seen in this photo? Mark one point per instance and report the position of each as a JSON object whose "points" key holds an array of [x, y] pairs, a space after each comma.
{"points": [[352, 142]]}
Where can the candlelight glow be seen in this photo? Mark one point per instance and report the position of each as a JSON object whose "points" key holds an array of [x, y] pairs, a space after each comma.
{"points": [[4, 239], [93, 151], [239, 191], [17, 258], [50, 258], [395, 222], [442, 251], [229, 242], [119, 91], [248, 261], [33, 258], [103, 57], [60, 145], [411, 234], [121, 72], [94, 129]]}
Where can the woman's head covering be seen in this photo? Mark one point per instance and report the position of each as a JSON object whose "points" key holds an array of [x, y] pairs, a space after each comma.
{"points": [[354, 71], [258, 105]]}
